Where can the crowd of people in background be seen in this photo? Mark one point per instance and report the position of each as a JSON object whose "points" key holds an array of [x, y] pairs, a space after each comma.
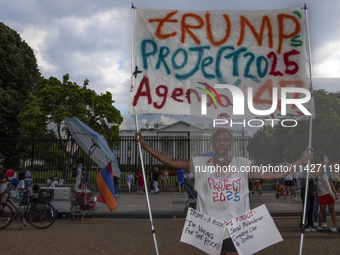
{"points": [[25, 178], [158, 180], [323, 190]]}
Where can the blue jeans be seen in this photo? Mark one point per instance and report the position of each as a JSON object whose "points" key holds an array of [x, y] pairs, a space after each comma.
{"points": [[28, 184], [315, 210], [119, 190]]}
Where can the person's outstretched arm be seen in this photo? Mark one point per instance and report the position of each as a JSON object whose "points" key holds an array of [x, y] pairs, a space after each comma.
{"points": [[162, 157], [259, 173]]}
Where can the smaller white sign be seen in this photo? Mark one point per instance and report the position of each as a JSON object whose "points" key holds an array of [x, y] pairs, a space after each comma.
{"points": [[204, 232], [253, 231]]}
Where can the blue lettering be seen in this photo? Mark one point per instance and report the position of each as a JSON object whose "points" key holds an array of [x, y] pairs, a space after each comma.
{"points": [[146, 54], [200, 50], [259, 66], [206, 62], [228, 196], [185, 60], [237, 198], [218, 63], [235, 56], [210, 66], [163, 53], [250, 61]]}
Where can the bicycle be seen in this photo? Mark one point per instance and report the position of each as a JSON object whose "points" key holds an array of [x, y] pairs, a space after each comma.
{"points": [[39, 214]]}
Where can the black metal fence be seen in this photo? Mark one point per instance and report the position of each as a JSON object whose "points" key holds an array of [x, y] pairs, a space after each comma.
{"points": [[49, 157]]}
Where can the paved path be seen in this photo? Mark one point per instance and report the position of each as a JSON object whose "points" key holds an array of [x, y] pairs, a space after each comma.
{"points": [[166, 205], [126, 236], [127, 229]]}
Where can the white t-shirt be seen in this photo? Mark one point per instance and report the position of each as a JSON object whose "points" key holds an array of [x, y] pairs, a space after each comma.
{"points": [[323, 186], [21, 184], [289, 177], [78, 171], [222, 195]]}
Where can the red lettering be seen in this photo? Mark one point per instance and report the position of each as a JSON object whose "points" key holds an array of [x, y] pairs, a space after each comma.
{"points": [[273, 69], [161, 94], [222, 197], [296, 84], [220, 186], [210, 102], [210, 181], [237, 185], [228, 186], [289, 63], [215, 197], [267, 86], [215, 186], [177, 93], [230, 222], [228, 102], [189, 91], [141, 93]]}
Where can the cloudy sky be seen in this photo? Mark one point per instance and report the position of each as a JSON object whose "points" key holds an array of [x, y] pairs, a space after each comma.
{"points": [[92, 39]]}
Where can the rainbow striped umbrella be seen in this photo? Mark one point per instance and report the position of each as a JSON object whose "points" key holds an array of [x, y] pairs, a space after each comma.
{"points": [[93, 143]]}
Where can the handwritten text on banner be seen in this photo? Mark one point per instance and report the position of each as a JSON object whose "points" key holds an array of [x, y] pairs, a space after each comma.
{"points": [[257, 49]]}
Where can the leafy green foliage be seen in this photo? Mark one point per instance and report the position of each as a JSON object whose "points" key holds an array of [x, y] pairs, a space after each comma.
{"points": [[57, 100], [19, 76], [281, 144], [54, 101]]}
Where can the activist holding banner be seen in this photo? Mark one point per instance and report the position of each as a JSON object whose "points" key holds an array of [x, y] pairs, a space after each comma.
{"points": [[221, 181]]}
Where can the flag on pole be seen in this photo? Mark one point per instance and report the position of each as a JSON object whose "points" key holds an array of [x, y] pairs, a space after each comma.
{"points": [[106, 187]]}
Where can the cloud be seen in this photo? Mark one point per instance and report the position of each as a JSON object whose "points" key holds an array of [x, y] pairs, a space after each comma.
{"points": [[128, 123], [152, 119], [92, 46], [328, 65], [92, 39], [166, 120], [36, 39]]}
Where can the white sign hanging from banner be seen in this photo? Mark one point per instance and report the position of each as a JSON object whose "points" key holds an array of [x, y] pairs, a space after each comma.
{"points": [[253, 231], [179, 56], [204, 232]]}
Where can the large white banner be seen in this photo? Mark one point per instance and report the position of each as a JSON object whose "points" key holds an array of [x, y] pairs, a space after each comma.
{"points": [[179, 56]]}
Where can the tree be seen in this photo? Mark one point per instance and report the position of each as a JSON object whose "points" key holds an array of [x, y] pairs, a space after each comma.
{"points": [[56, 100], [19, 76]]}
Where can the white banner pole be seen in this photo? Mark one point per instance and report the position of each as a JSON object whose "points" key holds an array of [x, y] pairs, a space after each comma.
{"points": [[310, 134], [139, 146], [146, 191]]}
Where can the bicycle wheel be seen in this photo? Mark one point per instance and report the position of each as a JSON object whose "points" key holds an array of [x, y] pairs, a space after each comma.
{"points": [[42, 215], [6, 215]]}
